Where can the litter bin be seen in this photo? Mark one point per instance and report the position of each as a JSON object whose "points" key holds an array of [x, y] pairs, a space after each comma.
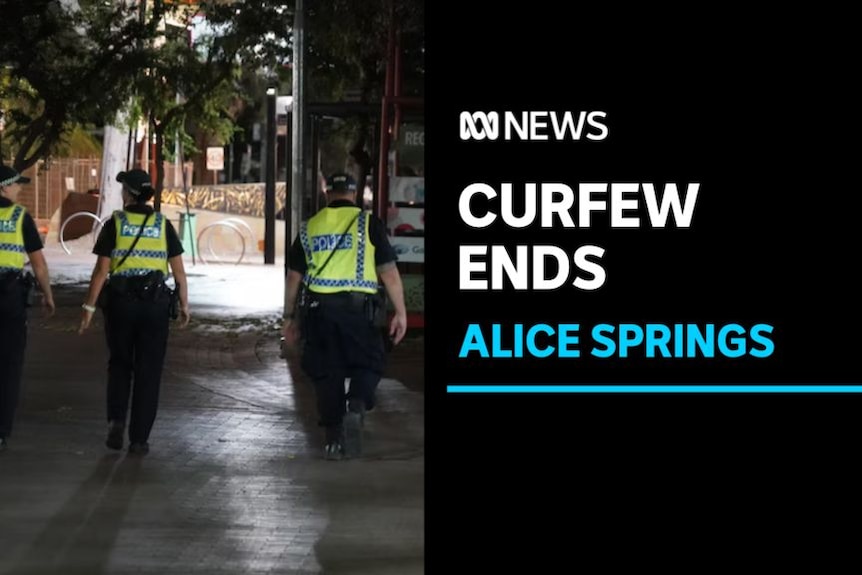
{"points": [[188, 233]]}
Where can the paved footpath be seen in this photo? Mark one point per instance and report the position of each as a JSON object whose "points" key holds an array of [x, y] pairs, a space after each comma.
{"points": [[234, 483]]}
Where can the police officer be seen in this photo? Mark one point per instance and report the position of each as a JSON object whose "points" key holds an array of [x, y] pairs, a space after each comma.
{"points": [[18, 236], [135, 248], [340, 255]]}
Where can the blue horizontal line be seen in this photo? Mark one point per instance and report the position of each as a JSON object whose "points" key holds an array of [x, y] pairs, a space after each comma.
{"points": [[654, 388]]}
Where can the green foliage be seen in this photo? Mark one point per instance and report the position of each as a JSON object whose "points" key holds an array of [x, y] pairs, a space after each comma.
{"points": [[347, 46], [79, 143], [196, 84], [63, 68], [347, 56]]}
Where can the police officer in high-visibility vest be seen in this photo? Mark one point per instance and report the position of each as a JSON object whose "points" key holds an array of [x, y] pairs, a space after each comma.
{"points": [[340, 255], [135, 248], [19, 241]]}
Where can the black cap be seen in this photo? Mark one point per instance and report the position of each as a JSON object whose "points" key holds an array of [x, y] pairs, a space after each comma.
{"points": [[9, 176], [340, 182], [138, 181]]}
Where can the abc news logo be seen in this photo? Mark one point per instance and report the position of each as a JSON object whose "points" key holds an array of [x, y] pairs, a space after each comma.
{"points": [[533, 126]]}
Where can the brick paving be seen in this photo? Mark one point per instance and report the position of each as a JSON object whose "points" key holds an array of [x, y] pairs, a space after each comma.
{"points": [[234, 483]]}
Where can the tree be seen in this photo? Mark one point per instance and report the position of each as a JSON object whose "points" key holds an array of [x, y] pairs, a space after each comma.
{"points": [[62, 68], [348, 49], [197, 82]]}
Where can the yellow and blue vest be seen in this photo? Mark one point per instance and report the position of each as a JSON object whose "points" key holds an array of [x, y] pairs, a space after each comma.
{"points": [[352, 265], [151, 251], [12, 239]]}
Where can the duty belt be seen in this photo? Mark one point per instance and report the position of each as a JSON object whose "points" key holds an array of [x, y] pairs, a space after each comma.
{"points": [[344, 299]]}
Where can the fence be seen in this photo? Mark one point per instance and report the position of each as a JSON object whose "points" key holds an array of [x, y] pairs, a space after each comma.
{"points": [[51, 181]]}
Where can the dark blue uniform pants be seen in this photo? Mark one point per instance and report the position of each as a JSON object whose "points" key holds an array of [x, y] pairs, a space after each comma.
{"points": [[13, 342], [341, 342], [137, 332]]}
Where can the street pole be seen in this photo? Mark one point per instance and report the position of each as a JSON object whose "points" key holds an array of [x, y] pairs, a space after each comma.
{"points": [[188, 222], [288, 194], [297, 188], [269, 197], [315, 159], [381, 198]]}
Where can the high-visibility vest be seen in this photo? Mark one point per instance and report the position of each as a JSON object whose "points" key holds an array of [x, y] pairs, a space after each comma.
{"points": [[151, 251], [12, 239], [351, 267]]}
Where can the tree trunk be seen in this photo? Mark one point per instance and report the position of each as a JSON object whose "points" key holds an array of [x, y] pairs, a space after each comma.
{"points": [[115, 159], [41, 130]]}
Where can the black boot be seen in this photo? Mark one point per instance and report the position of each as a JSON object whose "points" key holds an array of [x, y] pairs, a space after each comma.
{"points": [[115, 434], [139, 448], [334, 448]]}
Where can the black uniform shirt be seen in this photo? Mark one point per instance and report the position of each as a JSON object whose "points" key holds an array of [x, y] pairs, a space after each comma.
{"points": [[32, 241], [383, 251], [108, 237]]}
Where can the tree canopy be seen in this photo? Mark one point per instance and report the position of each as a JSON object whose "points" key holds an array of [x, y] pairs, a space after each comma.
{"points": [[64, 67], [61, 68], [193, 78], [348, 53]]}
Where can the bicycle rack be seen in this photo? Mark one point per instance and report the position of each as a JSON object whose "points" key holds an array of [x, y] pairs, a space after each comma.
{"points": [[227, 224], [96, 225], [238, 221]]}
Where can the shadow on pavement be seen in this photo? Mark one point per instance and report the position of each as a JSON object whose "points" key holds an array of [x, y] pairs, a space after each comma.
{"points": [[80, 537]]}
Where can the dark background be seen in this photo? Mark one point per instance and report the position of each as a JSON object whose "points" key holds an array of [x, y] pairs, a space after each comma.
{"points": [[758, 108]]}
